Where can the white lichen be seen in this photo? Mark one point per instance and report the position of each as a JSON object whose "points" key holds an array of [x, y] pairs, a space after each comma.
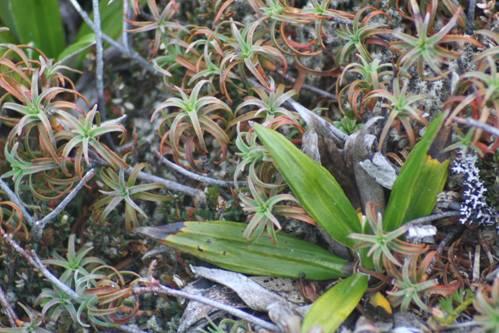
{"points": [[474, 208]]}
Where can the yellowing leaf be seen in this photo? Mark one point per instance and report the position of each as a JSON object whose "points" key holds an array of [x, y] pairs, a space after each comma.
{"points": [[378, 300], [414, 193], [335, 305]]}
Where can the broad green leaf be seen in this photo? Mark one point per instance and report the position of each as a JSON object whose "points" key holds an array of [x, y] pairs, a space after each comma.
{"points": [[221, 243], [39, 21], [77, 47], [314, 187], [335, 305], [414, 193]]}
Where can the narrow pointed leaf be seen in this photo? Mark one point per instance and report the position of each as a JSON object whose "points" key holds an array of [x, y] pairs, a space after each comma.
{"points": [[421, 178], [221, 243], [335, 305], [314, 187]]}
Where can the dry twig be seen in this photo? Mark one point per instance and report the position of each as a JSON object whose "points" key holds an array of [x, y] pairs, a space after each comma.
{"points": [[128, 52], [157, 288], [193, 175], [15, 199], [40, 224]]}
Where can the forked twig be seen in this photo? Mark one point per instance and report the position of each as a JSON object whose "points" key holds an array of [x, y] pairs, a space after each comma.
{"points": [[15, 199], [40, 224], [128, 52], [171, 185], [35, 261], [193, 175], [157, 288]]}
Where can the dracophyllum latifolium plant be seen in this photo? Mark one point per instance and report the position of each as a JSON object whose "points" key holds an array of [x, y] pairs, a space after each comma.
{"points": [[193, 117], [401, 105], [84, 133], [266, 106], [263, 208], [246, 53], [21, 168], [356, 36], [368, 76], [222, 243], [424, 49], [117, 189]]}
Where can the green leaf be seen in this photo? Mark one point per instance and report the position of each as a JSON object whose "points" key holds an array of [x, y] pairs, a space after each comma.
{"points": [[77, 47], [335, 305], [39, 21], [314, 187], [422, 177], [221, 243]]}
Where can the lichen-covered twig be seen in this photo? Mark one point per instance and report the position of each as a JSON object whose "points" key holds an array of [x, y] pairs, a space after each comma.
{"points": [[127, 329], [35, 261], [478, 124], [124, 32], [193, 175], [40, 224], [156, 288], [470, 17], [171, 185], [8, 310], [318, 91], [126, 51], [434, 217], [15, 199], [99, 54]]}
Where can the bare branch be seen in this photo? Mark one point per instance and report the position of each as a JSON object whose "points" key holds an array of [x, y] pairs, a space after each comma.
{"points": [[309, 117], [127, 329], [40, 224], [35, 261], [309, 87], [128, 52], [157, 288], [478, 124], [99, 67], [15, 199], [470, 17], [434, 217], [124, 32], [8, 310], [193, 175], [171, 185]]}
